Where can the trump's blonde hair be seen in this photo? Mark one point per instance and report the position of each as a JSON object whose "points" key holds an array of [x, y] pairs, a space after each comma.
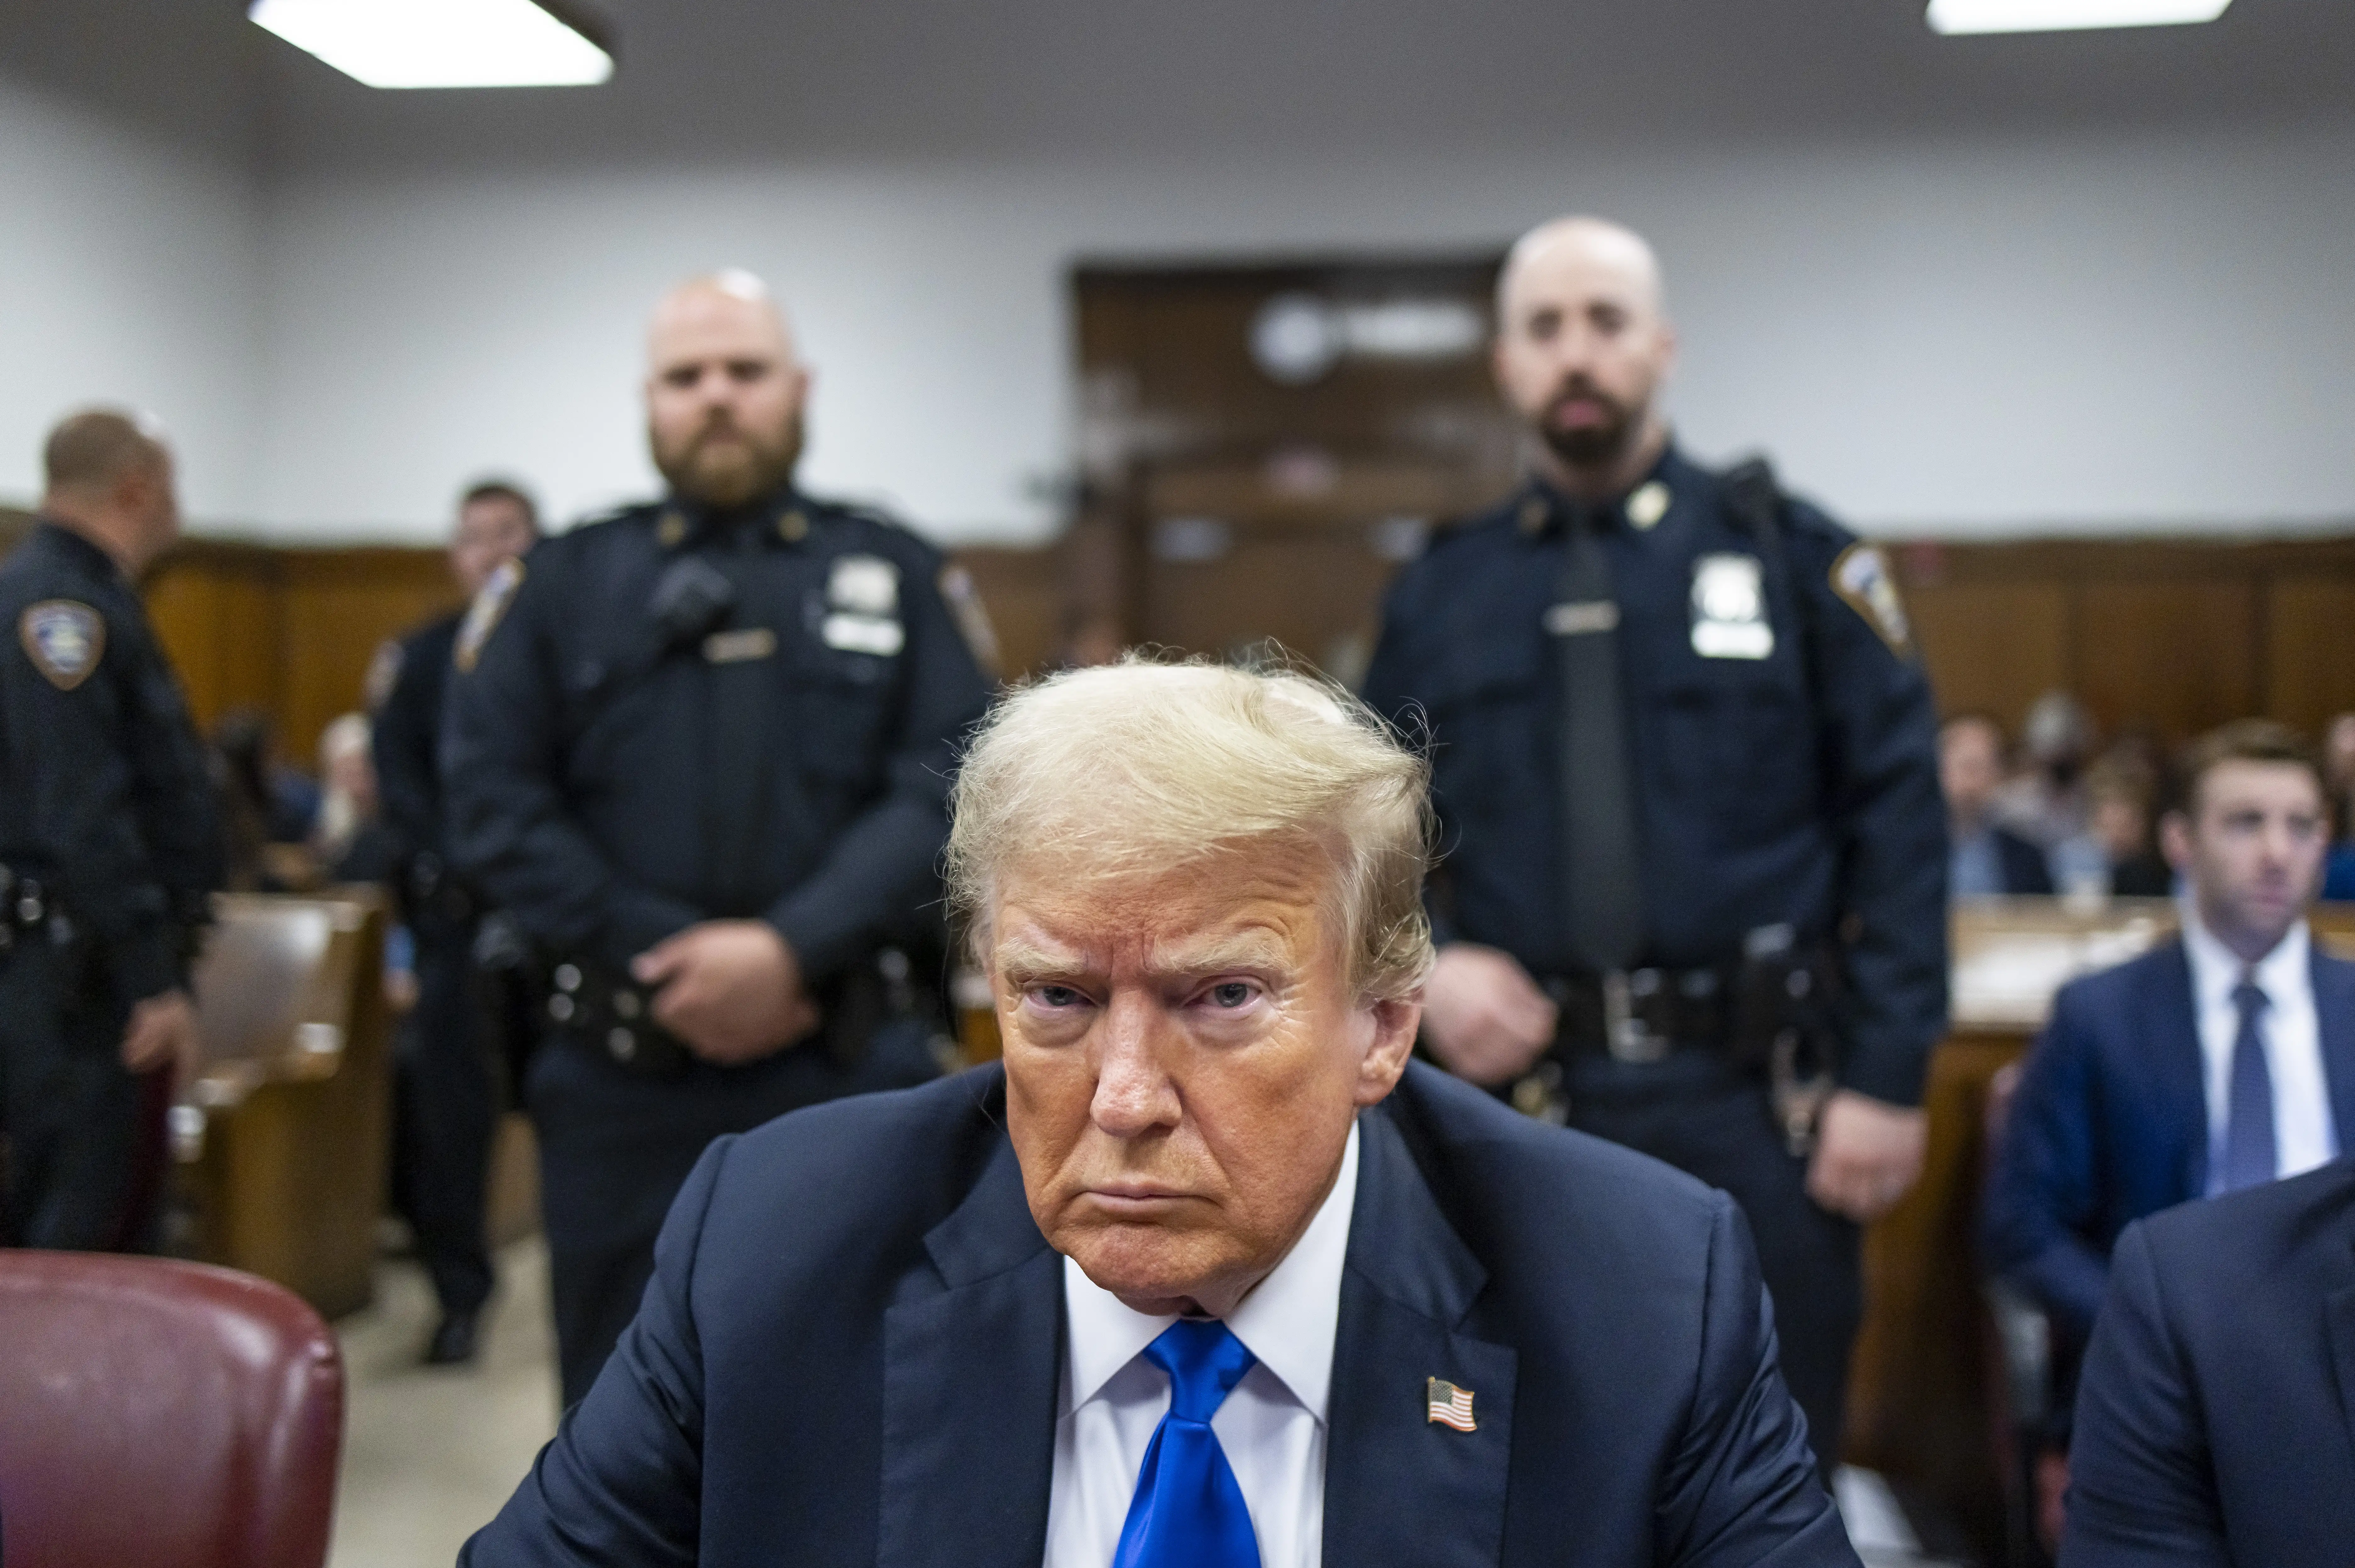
{"points": [[1146, 766]]}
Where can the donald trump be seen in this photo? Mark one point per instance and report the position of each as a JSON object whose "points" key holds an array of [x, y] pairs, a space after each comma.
{"points": [[1207, 1272]]}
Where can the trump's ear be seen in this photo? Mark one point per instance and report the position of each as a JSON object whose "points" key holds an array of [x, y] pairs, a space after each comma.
{"points": [[1385, 1060]]}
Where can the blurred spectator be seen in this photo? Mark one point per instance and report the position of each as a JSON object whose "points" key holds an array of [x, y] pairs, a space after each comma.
{"points": [[2338, 777], [2121, 797], [2046, 804], [283, 803], [1988, 859], [348, 836]]}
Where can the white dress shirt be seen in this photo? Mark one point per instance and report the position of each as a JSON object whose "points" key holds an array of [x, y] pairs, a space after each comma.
{"points": [[2304, 1137], [1272, 1427]]}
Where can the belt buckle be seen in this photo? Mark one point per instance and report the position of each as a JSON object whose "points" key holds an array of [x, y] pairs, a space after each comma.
{"points": [[1626, 1036]]}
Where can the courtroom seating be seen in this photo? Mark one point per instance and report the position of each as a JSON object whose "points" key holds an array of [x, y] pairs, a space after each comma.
{"points": [[164, 1413], [281, 1139]]}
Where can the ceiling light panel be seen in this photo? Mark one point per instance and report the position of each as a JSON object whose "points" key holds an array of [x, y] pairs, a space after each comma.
{"points": [[2066, 16], [440, 43]]}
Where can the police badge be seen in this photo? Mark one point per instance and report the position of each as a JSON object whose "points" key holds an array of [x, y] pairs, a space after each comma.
{"points": [[64, 639], [1728, 609]]}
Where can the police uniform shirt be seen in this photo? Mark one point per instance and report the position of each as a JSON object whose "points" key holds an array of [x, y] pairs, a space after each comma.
{"points": [[105, 796], [1780, 736], [611, 785]]}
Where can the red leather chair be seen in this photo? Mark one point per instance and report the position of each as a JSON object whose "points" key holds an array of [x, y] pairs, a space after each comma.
{"points": [[168, 1415]]}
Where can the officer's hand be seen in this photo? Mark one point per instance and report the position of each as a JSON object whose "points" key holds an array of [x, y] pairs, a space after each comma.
{"points": [[731, 988], [1868, 1155], [162, 1032], [1483, 1016]]}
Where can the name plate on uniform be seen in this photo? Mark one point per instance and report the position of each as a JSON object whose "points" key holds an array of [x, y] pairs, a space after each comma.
{"points": [[1589, 616], [741, 646], [863, 635]]}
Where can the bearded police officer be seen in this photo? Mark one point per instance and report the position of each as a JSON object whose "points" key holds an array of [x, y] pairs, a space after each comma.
{"points": [[1693, 893], [109, 847], [448, 1095], [700, 751]]}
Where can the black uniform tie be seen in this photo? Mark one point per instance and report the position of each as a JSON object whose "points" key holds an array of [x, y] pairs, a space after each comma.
{"points": [[1603, 897]]}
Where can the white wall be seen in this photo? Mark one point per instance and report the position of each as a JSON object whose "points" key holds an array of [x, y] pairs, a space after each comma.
{"points": [[2104, 334], [129, 272]]}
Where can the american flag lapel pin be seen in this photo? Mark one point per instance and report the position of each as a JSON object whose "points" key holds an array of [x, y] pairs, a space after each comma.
{"points": [[1449, 1406]]}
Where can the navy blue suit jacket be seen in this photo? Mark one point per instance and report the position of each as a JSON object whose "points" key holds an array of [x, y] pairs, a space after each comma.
{"points": [[2216, 1419], [851, 1349], [2110, 1123]]}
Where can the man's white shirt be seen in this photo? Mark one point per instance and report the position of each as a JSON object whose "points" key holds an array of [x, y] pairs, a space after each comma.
{"points": [[2304, 1137], [1272, 1427]]}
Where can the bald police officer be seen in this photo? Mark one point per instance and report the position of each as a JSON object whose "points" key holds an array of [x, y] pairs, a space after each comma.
{"points": [[110, 847], [1693, 892], [700, 750]]}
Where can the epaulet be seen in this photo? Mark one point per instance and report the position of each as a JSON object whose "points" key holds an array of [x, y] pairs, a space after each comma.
{"points": [[622, 514], [863, 514]]}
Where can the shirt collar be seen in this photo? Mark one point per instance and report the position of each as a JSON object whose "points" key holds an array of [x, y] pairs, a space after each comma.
{"points": [[2216, 969], [1288, 1321]]}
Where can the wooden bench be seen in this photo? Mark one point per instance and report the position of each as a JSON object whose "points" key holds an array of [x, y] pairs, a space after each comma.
{"points": [[279, 1140]]}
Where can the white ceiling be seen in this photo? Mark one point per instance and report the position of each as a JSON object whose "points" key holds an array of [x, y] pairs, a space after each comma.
{"points": [[726, 80]]}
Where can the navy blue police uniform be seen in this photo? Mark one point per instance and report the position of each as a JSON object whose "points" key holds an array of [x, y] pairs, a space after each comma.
{"points": [[1790, 842], [446, 1102], [678, 714], [109, 850]]}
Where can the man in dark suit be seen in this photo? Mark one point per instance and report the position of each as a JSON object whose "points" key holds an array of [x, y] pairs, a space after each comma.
{"points": [[2216, 1421], [2219, 1059], [1206, 1274], [1988, 859]]}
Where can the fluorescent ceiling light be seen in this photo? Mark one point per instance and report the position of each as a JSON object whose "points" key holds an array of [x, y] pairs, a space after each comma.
{"points": [[2062, 16], [440, 43]]}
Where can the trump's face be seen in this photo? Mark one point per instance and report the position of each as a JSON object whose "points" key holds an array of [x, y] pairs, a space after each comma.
{"points": [[1184, 1059]]}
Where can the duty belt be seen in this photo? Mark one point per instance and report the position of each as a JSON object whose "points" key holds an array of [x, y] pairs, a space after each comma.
{"points": [[1640, 1015], [615, 1017]]}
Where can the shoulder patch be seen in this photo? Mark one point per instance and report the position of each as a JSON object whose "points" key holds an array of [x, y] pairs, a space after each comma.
{"points": [[484, 614], [1863, 578], [64, 638], [965, 603]]}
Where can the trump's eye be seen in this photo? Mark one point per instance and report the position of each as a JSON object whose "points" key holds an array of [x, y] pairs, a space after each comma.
{"points": [[1232, 994], [1056, 997]]}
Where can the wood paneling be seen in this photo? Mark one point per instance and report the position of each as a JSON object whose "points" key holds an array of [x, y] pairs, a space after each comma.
{"points": [[2171, 658], [1987, 643], [2170, 636], [2309, 649]]}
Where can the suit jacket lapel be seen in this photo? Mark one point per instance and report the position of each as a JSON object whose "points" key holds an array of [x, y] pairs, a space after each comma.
{"points": [[2171, 1024], [1400, 1488], [2334, 1016], [972, 1369]]}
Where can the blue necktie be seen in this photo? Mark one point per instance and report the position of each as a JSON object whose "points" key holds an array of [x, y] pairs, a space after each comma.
{"points": [[1189, 1512], [2249, 1112]]}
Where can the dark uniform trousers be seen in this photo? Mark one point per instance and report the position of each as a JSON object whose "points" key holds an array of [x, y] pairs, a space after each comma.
{"points": [[674, 715], [446, 1109], [109, 829], [1781, 798]]}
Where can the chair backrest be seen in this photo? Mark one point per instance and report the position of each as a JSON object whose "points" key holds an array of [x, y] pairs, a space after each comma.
{"points": [[166, 1414]]}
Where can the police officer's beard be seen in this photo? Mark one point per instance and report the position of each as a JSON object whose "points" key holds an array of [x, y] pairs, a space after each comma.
{"points": [[1594, 445], [731, 472]]}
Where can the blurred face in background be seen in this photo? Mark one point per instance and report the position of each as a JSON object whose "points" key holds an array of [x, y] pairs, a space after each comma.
{"points": [[1970, 767], [492, 530], [2251, 842], [724, 393], [1583, 342]]}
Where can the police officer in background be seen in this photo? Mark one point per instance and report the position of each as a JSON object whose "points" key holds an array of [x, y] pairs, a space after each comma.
{"points": [[1693, 892], [701, 750], [109, 847], [448, 1093]]}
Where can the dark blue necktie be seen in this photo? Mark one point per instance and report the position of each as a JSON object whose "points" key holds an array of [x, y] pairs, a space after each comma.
{"points": [[2249, 1158], [1189, 1512]]}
